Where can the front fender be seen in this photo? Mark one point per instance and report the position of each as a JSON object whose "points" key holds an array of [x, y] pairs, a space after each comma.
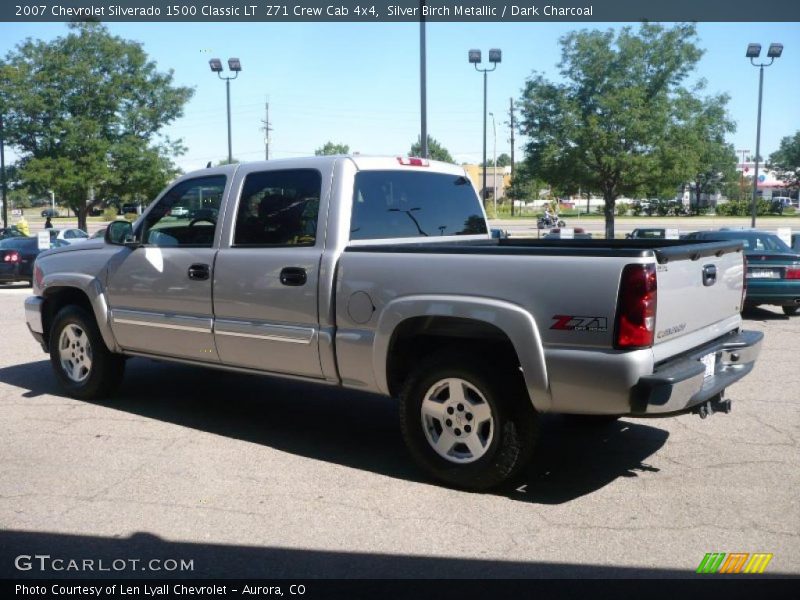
{"points": [[514, 321]]}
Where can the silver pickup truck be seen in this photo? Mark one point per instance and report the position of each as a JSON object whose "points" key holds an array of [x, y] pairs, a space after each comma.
{"points": [[380, 274]]}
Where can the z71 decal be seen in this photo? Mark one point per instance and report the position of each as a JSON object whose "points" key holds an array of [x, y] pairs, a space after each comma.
{"points": [[576, 323]]}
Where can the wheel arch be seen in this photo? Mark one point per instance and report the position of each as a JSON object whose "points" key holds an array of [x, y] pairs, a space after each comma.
{"points": [[412, 327]]}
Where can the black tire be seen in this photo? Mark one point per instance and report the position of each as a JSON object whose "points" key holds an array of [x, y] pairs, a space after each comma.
{"points": [[514, 428], [106, 369], [790, 311]]}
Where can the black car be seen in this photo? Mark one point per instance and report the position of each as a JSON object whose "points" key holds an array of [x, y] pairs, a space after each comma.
{"points": [[204, 214], [647, 233], [130, 208], [50, 212], [17, 255]]}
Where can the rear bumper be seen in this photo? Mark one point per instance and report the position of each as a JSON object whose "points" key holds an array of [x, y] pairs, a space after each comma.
{"points": [[680, 384], [33, 317], [785, 292]]}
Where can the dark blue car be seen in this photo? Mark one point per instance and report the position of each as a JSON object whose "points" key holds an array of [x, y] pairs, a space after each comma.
{"points": [[773, 268]]}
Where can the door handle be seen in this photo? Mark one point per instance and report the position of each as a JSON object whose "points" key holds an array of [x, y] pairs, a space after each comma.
{"points": [[199, 272], [709, 275], [293, 276]]}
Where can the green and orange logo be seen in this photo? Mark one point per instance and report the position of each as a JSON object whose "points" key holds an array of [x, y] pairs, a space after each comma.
{"points": [[735, 562]]}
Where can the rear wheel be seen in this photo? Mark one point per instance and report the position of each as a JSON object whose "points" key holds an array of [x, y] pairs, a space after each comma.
{"points": [[85, 367], [790, 310], [469, 424]]}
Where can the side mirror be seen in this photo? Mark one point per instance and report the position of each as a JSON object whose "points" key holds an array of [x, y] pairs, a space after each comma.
{"points": [[120, 233]]}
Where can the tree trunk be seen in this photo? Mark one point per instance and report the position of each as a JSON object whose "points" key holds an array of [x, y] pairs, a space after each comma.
{"points": [[81, 211], [610, 200], [696, 210]]}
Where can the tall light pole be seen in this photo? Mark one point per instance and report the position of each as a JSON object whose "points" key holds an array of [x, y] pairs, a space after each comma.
{"points": [[235, 66], [753, 52], [495, 56], [423, 86], [3, 186], [494, 163]]}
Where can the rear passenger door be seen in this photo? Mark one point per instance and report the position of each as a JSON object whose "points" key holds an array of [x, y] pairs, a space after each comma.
{"points": [[265, 280]]}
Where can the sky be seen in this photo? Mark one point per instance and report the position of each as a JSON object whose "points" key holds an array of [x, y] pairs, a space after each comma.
{"points": [[358, 84]]}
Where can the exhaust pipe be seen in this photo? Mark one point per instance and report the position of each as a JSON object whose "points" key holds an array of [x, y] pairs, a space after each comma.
{"points": [[711, 406]]}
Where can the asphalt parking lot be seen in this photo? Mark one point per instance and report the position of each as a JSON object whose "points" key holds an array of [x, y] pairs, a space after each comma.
{"points": [[250, 476]]}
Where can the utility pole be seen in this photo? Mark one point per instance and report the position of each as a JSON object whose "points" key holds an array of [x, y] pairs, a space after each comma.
{"points": [[267, 130], [511, 115]]}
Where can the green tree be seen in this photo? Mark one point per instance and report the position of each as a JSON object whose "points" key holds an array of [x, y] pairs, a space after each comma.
{"points": [[606, 126], [697, 144], [785, 161], [84, 107], [330, 149], [435, 150], [504, 160]]}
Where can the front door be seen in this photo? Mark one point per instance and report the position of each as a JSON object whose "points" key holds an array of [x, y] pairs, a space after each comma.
{"points": [[159, 294], [265, 283]]}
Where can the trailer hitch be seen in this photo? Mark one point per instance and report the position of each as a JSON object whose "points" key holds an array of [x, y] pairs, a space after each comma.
{"points": [[713, 405]]}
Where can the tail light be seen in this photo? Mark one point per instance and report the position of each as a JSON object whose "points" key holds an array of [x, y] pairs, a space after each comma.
{"points": [[413, 161], [11, 257], [793, 272], [636, 309]]}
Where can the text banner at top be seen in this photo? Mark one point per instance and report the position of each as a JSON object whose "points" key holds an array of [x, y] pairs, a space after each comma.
{"points": [[366, 11]]}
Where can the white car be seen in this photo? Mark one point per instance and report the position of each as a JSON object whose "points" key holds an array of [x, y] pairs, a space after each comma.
{"points": [[71, 235], [179, 211]]}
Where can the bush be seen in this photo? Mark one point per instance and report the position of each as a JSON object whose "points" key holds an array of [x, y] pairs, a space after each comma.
{"points": [[131, 217], [742, 208], [110, 214]]}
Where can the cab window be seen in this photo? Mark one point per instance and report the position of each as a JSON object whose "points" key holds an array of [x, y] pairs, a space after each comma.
{"points": [[194, 222]]}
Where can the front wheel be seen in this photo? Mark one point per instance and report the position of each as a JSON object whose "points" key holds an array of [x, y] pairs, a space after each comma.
{"points": [[85, 367], [469, 424], [790, 311]]}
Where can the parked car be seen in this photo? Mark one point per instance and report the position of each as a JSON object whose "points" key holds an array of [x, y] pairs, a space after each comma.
{"points": [[70, 235], [647, 233], [50, 212], [10, 232], [179, 211], [773, 268], [380, 274], [579, 233], [498, 234], [130, 208], [17, 255]]}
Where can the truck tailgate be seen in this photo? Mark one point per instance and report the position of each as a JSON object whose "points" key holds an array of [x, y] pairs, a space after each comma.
{"points": [[694, 294]]}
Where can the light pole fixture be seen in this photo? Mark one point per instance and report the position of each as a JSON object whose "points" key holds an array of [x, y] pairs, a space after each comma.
{"points": [[495, 56], [753, 52], [235, 66]]}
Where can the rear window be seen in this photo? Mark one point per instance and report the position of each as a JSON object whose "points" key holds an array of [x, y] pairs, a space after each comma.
{"points": [[397, 204], [753, 242], [18, 243]]}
